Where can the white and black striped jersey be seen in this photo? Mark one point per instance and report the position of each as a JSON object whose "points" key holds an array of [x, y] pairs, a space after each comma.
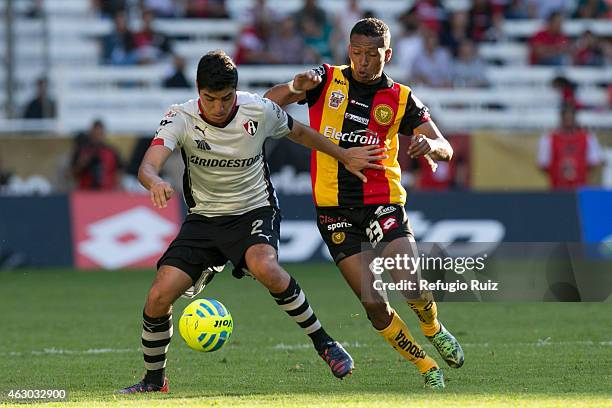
{"points": [[225, 169]]}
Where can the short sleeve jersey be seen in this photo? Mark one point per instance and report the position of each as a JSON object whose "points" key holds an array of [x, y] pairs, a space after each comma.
{"points": [[225, 168], [352, 114]]}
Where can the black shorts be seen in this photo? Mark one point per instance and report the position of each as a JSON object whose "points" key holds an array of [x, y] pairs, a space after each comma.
{"points": [[345, 230], [203, 242]]}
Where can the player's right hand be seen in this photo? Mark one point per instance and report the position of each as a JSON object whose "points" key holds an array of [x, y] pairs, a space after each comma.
{"points": [[306, 81], [364, 157], [161, 192]]}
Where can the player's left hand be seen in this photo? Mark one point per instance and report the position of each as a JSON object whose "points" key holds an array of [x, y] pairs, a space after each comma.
{"points": [[359, 158], [420, 146]]}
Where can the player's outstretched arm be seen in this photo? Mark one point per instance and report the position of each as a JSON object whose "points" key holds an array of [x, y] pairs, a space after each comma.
{"points": [[354, 159], [294, 90], [148, 175], [428, 140]]}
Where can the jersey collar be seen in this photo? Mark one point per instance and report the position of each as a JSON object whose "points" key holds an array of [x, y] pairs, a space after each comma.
{"points": [[229, 118], [385, 81]]}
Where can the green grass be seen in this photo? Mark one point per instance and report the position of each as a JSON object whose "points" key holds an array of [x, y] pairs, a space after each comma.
{"points": [[517, 354]]}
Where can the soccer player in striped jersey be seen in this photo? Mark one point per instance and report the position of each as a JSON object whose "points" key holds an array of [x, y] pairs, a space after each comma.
{"points": [[360, 105], [233, 212]]}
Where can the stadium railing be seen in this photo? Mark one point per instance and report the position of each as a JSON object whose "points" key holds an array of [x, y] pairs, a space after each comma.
{"points": [[86, 92], [571, 27]]}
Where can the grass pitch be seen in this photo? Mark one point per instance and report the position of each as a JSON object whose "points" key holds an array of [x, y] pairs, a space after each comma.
{"points": [[80, 331]]}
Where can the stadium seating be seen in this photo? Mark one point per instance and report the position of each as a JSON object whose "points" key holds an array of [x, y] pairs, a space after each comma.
{"points": [[65, 48]]}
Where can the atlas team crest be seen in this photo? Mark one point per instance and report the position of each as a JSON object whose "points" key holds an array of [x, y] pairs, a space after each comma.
{"points": [[250, 126]]}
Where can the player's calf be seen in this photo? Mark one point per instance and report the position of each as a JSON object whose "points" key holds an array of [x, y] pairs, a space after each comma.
{"points": [[399, 337], [157, 329], [379, 313]]}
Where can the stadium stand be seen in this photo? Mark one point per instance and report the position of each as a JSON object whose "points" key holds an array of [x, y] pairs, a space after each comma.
{"points": [[64, 46]]}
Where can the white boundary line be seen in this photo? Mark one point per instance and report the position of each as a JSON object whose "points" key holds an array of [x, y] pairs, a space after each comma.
{"points": [[300, 346], [539, 343], [55, 351]]}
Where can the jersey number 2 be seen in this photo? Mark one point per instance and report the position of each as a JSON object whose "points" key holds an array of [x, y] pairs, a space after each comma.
{"points": [[256, 224]]}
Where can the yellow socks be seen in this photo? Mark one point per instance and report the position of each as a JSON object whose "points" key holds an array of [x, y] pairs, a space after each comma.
{"points": [[427, 312], [399, 337]]}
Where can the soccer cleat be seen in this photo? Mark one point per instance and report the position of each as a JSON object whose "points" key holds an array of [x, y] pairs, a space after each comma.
{"points": [[338, 359], [207, 275], [144, 387], [448, 347], [434, 379]]}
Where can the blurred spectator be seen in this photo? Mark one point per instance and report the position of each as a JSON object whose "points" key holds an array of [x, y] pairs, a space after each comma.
{"points": [[287, 47], [408, 47], [260, 13], [433, 66], [151, 46], [118, 46], [344, 21], [429, 13], [252, 46], [318, 38], [108, 8], [177, 79], [310, 10], [544, 8], [468, 67], [568, 153], [95, 164], [159, 8], [42, 106], [517, 10], [455, 31], [206, 9], [550, 46], [591, 9], [589, 50], [35, 9], [451, 175], [481, 17], [567, 92], [347, 17]]}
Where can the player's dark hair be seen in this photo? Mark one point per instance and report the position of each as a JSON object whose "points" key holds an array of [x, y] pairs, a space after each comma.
{"points": [[372, 27], [217, 71]]}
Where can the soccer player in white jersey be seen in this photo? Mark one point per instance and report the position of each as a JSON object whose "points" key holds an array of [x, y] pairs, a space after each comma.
{"points": [[233, 212]]}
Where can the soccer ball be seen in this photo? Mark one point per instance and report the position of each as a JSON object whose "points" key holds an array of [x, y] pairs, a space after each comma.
{"points": [[206, 325]]}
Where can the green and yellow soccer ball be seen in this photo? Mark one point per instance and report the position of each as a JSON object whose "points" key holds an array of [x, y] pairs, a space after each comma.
{"points": [[206, 325]]}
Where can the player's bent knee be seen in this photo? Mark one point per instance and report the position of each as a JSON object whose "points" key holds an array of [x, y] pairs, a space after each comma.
{"points": [[379, 313], [272, 276], [158, 303], [267, 270]]}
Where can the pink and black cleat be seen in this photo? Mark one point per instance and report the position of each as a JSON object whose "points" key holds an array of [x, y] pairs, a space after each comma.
{"points": [[144, 387], [337, 359]]}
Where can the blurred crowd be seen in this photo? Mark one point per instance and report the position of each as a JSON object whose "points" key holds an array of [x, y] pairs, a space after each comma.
{"points": [[435, 46], [438, 47]]}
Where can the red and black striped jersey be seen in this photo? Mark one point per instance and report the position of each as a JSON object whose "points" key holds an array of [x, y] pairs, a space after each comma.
{"points": [[352, 114]]}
